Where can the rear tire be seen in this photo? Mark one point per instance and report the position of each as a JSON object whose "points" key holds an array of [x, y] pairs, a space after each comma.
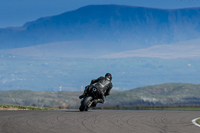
{"points": [[84, 104]]}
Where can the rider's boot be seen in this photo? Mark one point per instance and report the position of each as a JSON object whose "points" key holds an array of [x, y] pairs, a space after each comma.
{"points": [[99, 101]]}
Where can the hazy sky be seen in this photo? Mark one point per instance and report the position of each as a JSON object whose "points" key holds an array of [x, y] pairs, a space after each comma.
{"points": [[18, 12]]}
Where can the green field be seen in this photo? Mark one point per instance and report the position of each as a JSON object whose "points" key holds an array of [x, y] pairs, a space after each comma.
{"points": [[198, 121], [178, 108], [25, 107]]}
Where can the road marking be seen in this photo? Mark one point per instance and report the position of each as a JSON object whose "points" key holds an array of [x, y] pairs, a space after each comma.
{"points": [[195, 123]]}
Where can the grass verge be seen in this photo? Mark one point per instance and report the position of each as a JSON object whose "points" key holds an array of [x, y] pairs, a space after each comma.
{"points": [[178, 108], [15, 107], [198, 121]]}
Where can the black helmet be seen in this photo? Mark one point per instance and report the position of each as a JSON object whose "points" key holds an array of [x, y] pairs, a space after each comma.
{"points": [[109, 76]]}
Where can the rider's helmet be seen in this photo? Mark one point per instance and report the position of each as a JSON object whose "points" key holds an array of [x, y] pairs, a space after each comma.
{"points": [[108, 76]]}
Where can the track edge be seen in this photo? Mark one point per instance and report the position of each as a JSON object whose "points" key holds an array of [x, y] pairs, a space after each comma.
{"points": [[194, 121]]}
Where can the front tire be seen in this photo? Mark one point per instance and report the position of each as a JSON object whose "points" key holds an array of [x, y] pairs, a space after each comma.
{"points": [[84, 104]]}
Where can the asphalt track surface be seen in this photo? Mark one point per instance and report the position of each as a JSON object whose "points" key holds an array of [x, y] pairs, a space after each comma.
{"points": [[98, 121]]}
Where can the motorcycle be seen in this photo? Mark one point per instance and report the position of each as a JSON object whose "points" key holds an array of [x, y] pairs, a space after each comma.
{"points": [[89, 100]]}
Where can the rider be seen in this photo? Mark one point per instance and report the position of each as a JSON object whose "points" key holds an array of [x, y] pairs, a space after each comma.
{"points": [[104, 84]]}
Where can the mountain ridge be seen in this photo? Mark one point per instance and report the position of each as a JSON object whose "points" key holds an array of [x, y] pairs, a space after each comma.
{"points": [[125, 25]]}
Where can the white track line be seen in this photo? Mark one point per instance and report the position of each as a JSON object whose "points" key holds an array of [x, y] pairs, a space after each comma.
{"points": [[195, 123]]}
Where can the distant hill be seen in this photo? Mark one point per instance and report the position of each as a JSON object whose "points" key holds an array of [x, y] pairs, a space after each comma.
{"points": [[134, 27], [183, 49], [88, 49], [163, 94], [38, 73]]}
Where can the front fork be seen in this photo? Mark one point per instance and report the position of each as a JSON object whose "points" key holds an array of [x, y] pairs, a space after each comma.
{"points": [[90, 103]]}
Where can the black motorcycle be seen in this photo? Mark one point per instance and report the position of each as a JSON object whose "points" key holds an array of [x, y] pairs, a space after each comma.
{"points": [[89, 100]]}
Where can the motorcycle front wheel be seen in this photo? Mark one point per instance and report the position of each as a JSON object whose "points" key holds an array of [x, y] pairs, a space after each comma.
{"points": [[84, 104]]}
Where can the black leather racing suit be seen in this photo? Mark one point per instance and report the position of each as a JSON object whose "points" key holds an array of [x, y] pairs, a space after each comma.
{"points": [[104, 85]]}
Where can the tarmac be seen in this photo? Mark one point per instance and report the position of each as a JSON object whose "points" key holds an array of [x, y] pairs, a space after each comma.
{"points": [[98, 121]]}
